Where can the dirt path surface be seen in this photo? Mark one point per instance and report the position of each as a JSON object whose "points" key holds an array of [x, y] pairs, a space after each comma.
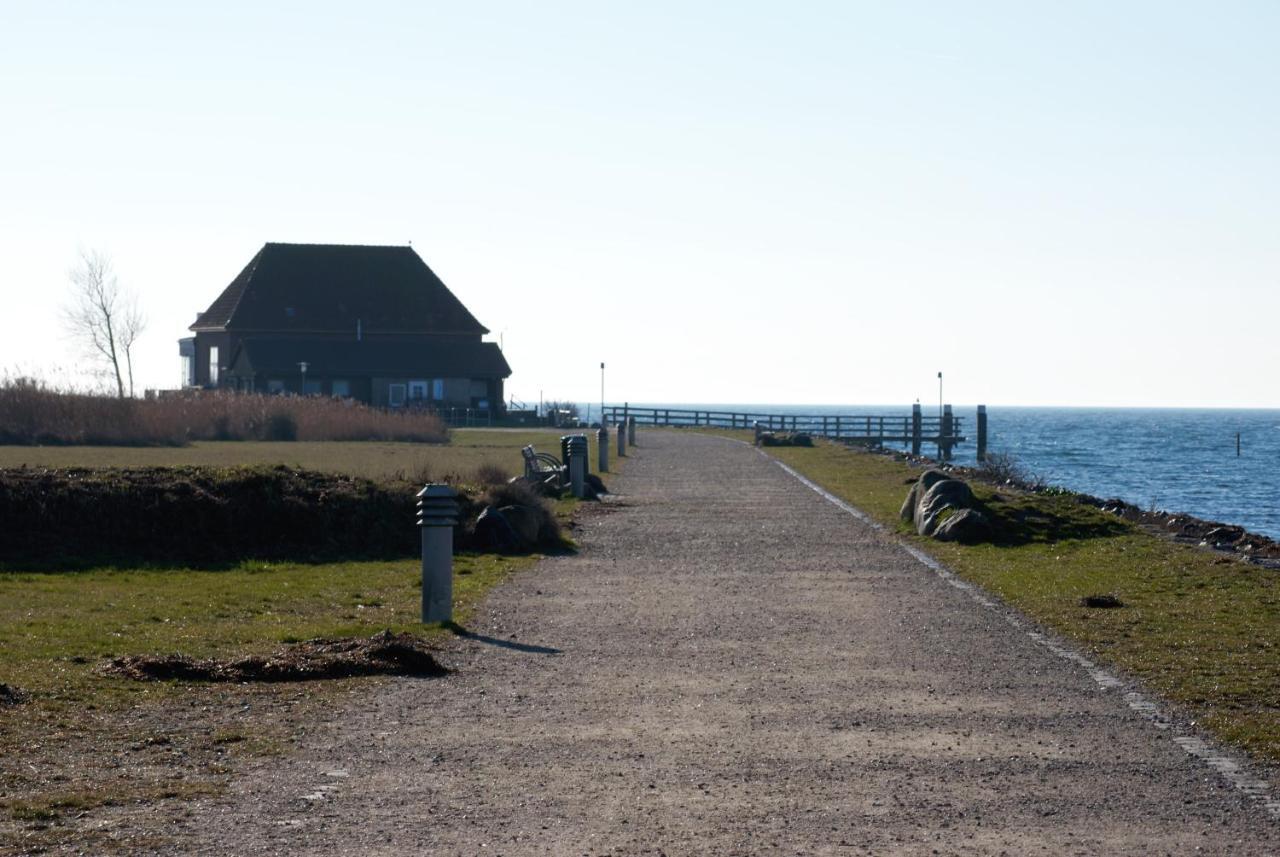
{"points": [[733, 665]]}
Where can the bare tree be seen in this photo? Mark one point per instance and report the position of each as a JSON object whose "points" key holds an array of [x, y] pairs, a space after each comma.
{"points": [[103, 316]]}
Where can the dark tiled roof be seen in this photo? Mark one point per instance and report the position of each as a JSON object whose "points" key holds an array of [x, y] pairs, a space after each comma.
{"points": [[386, 358], [328, 287]]}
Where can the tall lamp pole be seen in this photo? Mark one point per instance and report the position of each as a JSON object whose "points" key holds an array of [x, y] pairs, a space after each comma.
{"points": [[939, 396], [303, 366], [602, 422]]}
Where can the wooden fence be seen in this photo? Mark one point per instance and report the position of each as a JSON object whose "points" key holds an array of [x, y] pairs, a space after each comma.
{"points": [[912, 430]]}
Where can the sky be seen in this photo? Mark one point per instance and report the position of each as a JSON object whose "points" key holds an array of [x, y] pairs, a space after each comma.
{"points": [[1051, 203]]}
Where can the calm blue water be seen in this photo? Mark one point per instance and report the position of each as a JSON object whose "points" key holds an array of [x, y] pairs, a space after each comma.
{"points": [[1174, 459]]}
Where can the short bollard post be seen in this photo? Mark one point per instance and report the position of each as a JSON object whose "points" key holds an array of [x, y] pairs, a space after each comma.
{"points": [[622, 439], [575, 446], [631, 431], [758, 431], [602, 444], [437, 515]]}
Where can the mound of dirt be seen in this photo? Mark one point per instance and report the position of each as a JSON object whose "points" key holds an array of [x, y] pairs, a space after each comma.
{"points": [[10, 695], [382, 654]]}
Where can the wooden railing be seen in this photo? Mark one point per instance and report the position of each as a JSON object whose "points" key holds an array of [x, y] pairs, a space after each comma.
{"points": [[913, 430]]}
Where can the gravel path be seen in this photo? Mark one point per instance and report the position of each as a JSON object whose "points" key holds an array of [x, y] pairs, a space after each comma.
{"points": [[733, 665]]}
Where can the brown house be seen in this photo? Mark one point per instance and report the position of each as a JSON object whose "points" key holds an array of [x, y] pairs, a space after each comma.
{"points": [[369, 323]]}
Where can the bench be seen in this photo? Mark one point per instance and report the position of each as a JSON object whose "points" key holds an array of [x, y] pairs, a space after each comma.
{"points": [[539, 465]]}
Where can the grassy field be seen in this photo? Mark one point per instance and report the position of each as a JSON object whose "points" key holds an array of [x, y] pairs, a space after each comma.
{"points": [[86, 742], [1200, 628], [467, 451]]}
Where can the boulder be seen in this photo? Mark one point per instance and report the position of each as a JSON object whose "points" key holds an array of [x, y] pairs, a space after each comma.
{"points": [[524, 522], [494, 531], [968, 527], [926, 481], [946, 494]]}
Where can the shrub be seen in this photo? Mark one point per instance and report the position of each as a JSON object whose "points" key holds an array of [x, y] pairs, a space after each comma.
{"points": [[32, 413]]}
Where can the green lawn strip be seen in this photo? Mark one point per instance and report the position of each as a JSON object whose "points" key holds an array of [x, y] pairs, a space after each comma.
{"points": [[1199, 628], [466, 452]]}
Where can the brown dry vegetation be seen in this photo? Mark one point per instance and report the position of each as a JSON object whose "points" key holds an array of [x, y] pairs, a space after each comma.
{"points": [[31, 413]]}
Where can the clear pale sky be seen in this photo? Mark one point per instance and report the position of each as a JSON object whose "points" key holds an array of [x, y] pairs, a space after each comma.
{"points": [[1053, 203]]}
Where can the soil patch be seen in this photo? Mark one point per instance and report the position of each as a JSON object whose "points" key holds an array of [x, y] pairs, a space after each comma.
{"points": [[10, 695], [382, 654]]}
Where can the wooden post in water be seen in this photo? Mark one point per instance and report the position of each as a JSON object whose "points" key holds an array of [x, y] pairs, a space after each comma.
{"points": [[915, 428], [944, 435], [982, 434]]}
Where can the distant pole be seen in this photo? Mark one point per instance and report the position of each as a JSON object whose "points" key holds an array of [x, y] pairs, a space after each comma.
{"points": [[1237, 444], [303, 366], [939, 395], [602, 423]]}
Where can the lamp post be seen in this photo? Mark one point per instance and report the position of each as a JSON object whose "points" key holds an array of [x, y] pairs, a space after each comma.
{"points": [[602, 422], [939, 395], [303, 366]]}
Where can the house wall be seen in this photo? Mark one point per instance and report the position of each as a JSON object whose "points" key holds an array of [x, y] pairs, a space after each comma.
{"points": [[224, 342]]}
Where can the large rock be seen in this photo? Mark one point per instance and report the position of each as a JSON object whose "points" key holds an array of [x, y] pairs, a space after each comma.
{"points": [[947, 494], [494, 531], [968, 527], [524, 522], [926, 481]]}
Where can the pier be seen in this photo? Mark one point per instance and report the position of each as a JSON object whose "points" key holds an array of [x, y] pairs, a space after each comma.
{"points": [[913, 430]]}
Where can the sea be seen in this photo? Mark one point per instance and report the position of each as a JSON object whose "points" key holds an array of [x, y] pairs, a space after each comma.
{"points": [[1170, 459]]}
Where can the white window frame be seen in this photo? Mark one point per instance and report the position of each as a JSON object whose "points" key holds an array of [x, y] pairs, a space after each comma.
{"points": [[437, 389], [395, 395], [213, 365]]}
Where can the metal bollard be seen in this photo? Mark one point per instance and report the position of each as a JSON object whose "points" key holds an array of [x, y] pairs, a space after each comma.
{"points": [[437, 516], [575, 446], [602, 444], [622, 439], [631, 430]]}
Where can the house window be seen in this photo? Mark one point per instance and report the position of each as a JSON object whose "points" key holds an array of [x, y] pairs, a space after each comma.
{"points": [[395, 395], [417, 390], [213, 364], [188, 371], [437, 389], [341, 388], [275, 386], [311, 388]]}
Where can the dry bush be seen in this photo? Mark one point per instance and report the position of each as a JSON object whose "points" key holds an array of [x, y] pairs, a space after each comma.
{"points": [[491, 474], [521, 494], [32, 413]]}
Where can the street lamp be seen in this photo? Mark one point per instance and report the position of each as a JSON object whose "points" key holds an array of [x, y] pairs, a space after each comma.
{"points": [[602, 422], [939, 395], [303, 366]]}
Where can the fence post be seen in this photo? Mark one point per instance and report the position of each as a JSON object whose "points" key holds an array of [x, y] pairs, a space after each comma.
{"points": [[602, 445], [982, 433], [916, 428], [437, 515], [756, 426], [631, 431], [622, 439]]}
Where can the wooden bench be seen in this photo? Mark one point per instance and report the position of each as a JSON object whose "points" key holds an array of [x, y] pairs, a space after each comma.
{"points": [[539, 465]]}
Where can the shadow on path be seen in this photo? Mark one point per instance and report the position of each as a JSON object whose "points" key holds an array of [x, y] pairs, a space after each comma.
{"points": [[460, 631]]}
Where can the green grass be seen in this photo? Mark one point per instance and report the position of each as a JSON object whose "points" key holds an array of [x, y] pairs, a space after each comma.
{"points": [[1200, 628], [468, 450]]}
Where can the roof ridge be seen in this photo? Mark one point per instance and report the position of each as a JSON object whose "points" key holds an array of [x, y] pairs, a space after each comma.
{"points": [[253, 267]]}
